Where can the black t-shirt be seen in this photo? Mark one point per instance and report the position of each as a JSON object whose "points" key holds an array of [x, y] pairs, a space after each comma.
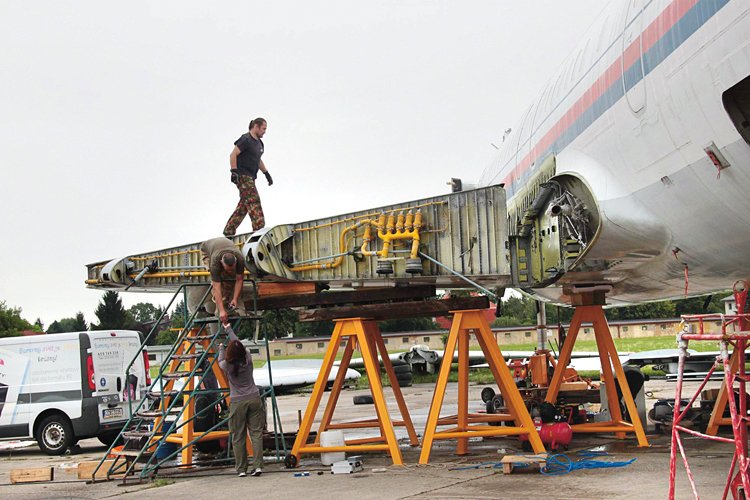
{"points": [[248, 161]]}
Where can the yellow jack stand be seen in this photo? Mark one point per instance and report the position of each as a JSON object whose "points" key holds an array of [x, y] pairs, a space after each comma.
{"points": [[589, 309], [717, 414], [185, 357], [464, 324], [364, 334]]}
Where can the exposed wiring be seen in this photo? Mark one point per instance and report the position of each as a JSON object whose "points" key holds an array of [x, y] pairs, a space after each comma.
{"points": [[686, 269]]}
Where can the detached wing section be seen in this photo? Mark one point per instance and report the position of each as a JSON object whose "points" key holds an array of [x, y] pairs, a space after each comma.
{"points": [[439, 241]]}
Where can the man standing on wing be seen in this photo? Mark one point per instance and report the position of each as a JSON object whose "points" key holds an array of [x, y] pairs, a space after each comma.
{"points": [[245, 161]]}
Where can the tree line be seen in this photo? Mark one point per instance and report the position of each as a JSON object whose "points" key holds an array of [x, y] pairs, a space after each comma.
{"points": [[521, 311], [110, 313], [514, 311]]}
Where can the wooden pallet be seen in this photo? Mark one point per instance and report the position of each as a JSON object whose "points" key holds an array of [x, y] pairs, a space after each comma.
{"points": [[525, 463], [32, 475]]}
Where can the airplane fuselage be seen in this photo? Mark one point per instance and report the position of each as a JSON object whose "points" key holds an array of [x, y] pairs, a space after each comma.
{"points": [[646, 128]]}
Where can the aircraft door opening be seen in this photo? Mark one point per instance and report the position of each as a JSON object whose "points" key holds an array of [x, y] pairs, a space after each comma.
{"points": [[631, 62], [737, 103]]}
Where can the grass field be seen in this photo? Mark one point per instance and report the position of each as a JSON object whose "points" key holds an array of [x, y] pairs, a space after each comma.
{"points": [[625, 345]]}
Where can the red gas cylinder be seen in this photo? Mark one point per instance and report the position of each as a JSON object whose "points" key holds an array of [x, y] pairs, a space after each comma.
{"points": [[553, 435]]}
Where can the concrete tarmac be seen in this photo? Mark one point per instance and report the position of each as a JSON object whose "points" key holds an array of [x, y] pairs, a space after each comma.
{"points": [[475, 475]]}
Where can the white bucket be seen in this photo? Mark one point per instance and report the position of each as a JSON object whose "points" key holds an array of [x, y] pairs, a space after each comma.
{"points": [[332, 438]]}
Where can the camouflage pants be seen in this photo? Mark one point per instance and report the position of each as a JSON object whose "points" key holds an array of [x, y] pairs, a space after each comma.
{"points": [[249, 204]]}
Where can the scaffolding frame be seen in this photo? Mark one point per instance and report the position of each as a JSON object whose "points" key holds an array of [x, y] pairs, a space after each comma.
{"points": [[734, 372]]}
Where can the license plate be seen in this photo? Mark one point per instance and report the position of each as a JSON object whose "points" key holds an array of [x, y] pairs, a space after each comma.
{"points": [[112, 412]]}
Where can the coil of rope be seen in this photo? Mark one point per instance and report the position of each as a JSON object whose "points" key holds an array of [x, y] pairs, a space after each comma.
{"points": [[560, 464]]}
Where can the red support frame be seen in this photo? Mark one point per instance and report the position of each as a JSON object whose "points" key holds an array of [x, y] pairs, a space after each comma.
{"points": [[734, 373]]}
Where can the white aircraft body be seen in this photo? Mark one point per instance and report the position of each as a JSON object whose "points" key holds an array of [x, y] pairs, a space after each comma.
{"points": [[643, 134], [630, 171]]}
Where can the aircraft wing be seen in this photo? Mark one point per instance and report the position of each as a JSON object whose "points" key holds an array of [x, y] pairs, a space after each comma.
{"points": [[667, 360], [292, 373], [287, 374]]}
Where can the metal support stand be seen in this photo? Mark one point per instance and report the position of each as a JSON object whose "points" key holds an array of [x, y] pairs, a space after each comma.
{"points": [[589, 310], [466, 323], [365, 335], [717, 414], [734, 373]]}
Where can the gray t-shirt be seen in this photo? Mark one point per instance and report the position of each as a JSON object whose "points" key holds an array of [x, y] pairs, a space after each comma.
{"points": [[215, 249], [241, 386]]}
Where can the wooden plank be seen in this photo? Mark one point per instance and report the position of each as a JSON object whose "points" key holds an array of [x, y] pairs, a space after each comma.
{"points": [[348, 297], [269, 289], [527, 463], [394, 310], [573, 386], [35, 475], [86, 469]]}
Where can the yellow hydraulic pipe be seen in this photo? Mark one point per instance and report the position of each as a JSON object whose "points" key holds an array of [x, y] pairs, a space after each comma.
{"points": [[386, 244], [366, 240], [390, 226], [380, 226], [415, 241], [418, 220], [409, 221], [414, 246], [337, 262], [400, 222]]}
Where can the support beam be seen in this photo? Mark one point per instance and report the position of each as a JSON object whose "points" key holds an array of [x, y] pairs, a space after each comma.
{"points": [[414, 309], [329, 298]]}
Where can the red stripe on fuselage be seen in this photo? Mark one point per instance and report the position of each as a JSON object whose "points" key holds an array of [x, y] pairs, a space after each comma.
{"points": [[663, 23]]}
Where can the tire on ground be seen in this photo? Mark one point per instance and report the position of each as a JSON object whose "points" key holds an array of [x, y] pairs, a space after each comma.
{"points": [[107, 438], [404, 379], [487, 394], [495, 405], [405, 368], [54, 434], [363, 399]]}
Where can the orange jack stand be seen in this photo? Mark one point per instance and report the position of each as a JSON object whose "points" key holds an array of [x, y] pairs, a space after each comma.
{"points": [[717, 414], [363, 334], [590, 310], [183, 361], [466, 323]]}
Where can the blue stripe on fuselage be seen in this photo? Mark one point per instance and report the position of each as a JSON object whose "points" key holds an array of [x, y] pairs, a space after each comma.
{"points": [[685, 27]]}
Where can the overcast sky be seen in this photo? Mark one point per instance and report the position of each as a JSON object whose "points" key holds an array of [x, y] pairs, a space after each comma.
{"points": [[118, 118]]}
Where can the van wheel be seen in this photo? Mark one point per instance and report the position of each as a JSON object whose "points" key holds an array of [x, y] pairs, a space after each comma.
{"points": [[54, 434], [107, 438]]}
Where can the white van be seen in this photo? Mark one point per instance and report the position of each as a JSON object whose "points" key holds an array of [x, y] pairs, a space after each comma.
{"points": [[60, 388]]}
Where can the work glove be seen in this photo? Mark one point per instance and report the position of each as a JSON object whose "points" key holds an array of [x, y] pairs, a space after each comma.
{"points": [[268, 178], [235, 175]]}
